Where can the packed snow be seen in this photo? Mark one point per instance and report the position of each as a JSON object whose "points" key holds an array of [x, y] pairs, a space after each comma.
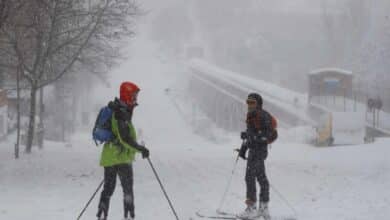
{"points": [[320, 183]]}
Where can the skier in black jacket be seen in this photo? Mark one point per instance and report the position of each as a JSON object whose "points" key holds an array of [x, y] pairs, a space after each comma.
{"points": [[257, 136]]}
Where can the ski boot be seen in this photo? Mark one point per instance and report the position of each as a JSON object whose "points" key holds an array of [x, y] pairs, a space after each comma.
{"points": [[103, 209], [250, 211], [102, 214], [263, 211], [128, 207]]}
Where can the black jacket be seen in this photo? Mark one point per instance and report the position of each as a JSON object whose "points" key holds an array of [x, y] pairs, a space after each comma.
{"points": [[259, 131], [124, 115]]}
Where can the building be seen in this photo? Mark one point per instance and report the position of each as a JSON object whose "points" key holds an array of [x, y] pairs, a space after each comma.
{"points": [[330, 82]]}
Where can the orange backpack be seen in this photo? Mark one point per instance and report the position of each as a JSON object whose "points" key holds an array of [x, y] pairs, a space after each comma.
{"points": [[274, 130]]}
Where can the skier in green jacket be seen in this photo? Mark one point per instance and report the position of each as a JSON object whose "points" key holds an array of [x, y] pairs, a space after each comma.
{"points": [[117, 155]]}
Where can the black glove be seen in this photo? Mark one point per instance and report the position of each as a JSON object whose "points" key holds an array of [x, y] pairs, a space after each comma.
{"points": [[243, 150], [145, 152], [244, 135]]}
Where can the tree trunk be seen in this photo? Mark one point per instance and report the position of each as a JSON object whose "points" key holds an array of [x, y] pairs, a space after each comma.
{"points": [[31, 125], [63, 121], [41, 126], [74, 112], [18, 113]]}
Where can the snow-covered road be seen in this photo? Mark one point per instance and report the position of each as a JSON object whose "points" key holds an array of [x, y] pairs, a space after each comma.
{"points": [[320, 183]]}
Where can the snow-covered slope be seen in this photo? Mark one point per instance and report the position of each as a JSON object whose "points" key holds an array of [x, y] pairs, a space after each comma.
{"points": [[321, 183]]}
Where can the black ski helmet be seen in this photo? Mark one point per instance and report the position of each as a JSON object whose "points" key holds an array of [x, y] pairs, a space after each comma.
{"points": [[257, 97]]}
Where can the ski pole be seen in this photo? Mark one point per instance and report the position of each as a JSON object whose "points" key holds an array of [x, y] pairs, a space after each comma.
{"points": [[163, 189], [284, 200], [90, 200], [228, 185]]}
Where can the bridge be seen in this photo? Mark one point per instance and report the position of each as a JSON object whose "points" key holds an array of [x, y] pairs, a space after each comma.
{"points": [[221, 94]]}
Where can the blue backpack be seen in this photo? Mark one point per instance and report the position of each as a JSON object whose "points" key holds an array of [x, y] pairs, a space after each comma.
{"points": [[102, 130]]}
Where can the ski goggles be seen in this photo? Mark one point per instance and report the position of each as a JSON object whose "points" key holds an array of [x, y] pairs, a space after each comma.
{"points": [[251, 102]]}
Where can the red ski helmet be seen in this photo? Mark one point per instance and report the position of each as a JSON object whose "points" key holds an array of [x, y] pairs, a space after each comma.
{"points": [[128, 93]]}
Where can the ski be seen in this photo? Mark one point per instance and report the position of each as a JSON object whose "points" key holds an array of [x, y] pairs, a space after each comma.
{"points": [[215, 216], [227, 214], [219, 212], [223, 215]]}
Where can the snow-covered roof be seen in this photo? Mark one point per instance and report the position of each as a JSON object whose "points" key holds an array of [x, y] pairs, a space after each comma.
{"points": [[323, 70]]}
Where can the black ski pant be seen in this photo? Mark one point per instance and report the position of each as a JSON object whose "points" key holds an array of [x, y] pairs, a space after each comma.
{"points": [[256, 171], [125, 173]]}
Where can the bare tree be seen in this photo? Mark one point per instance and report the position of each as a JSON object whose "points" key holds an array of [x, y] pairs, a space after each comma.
{"points": [[50, 38]]}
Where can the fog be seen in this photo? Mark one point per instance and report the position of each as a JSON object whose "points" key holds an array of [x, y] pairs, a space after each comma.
{"points": [[320, 70], [281, 41]]}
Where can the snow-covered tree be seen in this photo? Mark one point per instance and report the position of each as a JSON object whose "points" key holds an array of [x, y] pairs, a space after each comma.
{"points": [[47, 39], [345, 25], [372, 63]]}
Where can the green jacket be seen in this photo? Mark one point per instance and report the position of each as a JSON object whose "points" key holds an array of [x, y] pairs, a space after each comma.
{"points": [[111, 154]]}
